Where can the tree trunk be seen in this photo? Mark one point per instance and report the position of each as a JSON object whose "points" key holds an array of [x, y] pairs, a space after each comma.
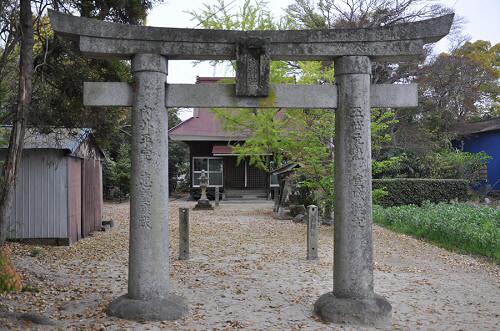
{"points": [[13, 159]]}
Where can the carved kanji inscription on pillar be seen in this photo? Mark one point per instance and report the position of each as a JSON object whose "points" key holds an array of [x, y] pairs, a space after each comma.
{"points": [[252, 68], [357, 150], [359, 200]]}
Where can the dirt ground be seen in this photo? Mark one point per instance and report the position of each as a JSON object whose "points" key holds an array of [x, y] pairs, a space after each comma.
{"points": [[248, 270]]}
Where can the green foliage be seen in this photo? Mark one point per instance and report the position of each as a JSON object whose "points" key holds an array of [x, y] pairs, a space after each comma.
{"points": [[117, 172], [378, 194], [310, 143], [445, 164], [406, 191], [252, 15], [488, 57], [454, 88], [390, 167], [58, 95], [458, 87], [482, 52], [130, 11], [456, 164], [265, 128], [458, 226], [382, 122]]}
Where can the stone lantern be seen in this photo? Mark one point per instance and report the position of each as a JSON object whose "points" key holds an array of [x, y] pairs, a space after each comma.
{"points": [[203, 202]]}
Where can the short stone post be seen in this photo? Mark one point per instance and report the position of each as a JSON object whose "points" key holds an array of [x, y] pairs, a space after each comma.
{"points": [[312, 232], [353, 299], [217, 196], [150, 296], [183, 234]]}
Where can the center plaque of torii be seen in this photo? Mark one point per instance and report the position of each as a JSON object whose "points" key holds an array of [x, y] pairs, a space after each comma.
{"points": [[150, 295]]}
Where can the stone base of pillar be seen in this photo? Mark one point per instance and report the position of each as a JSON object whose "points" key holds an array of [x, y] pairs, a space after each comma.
{"points": [[171, 308], [375, 312], [203, 205]]}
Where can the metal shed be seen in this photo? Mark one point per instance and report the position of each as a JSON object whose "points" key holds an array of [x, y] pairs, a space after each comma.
{"points": [[483, 136], [58, 195]]}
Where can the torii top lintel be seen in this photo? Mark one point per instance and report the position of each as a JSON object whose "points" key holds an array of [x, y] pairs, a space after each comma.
{"points": [[392, 43]]}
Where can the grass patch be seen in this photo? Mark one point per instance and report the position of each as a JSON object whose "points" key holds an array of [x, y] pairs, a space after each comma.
{"points": [[459, 226]]}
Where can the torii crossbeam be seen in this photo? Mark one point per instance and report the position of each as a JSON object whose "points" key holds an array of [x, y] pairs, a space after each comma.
{"points": [[150, 295], [223, 96]]}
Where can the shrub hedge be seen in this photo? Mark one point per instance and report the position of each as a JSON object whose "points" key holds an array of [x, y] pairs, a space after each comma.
{"points": [[406, 191]]}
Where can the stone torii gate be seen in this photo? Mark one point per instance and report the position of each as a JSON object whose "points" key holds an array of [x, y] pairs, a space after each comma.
{"points": [[150, 294]]}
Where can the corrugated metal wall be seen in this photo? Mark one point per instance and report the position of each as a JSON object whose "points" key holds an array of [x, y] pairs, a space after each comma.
{"points": [[41, 199], [91, 196], [75, 198]]}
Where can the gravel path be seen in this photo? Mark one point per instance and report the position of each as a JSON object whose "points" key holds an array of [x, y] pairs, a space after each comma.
{"points": [[249, 271]]}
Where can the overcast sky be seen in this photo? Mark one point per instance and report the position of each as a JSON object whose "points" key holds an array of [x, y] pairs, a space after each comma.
{"points": [[482, 22]]}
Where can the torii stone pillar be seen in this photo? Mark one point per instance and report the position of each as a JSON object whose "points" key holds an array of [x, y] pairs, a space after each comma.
{"points": [[149, 295], [353, 299]]}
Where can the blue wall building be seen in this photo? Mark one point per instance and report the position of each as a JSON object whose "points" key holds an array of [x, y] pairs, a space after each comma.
{"points": [[484, 136]]}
